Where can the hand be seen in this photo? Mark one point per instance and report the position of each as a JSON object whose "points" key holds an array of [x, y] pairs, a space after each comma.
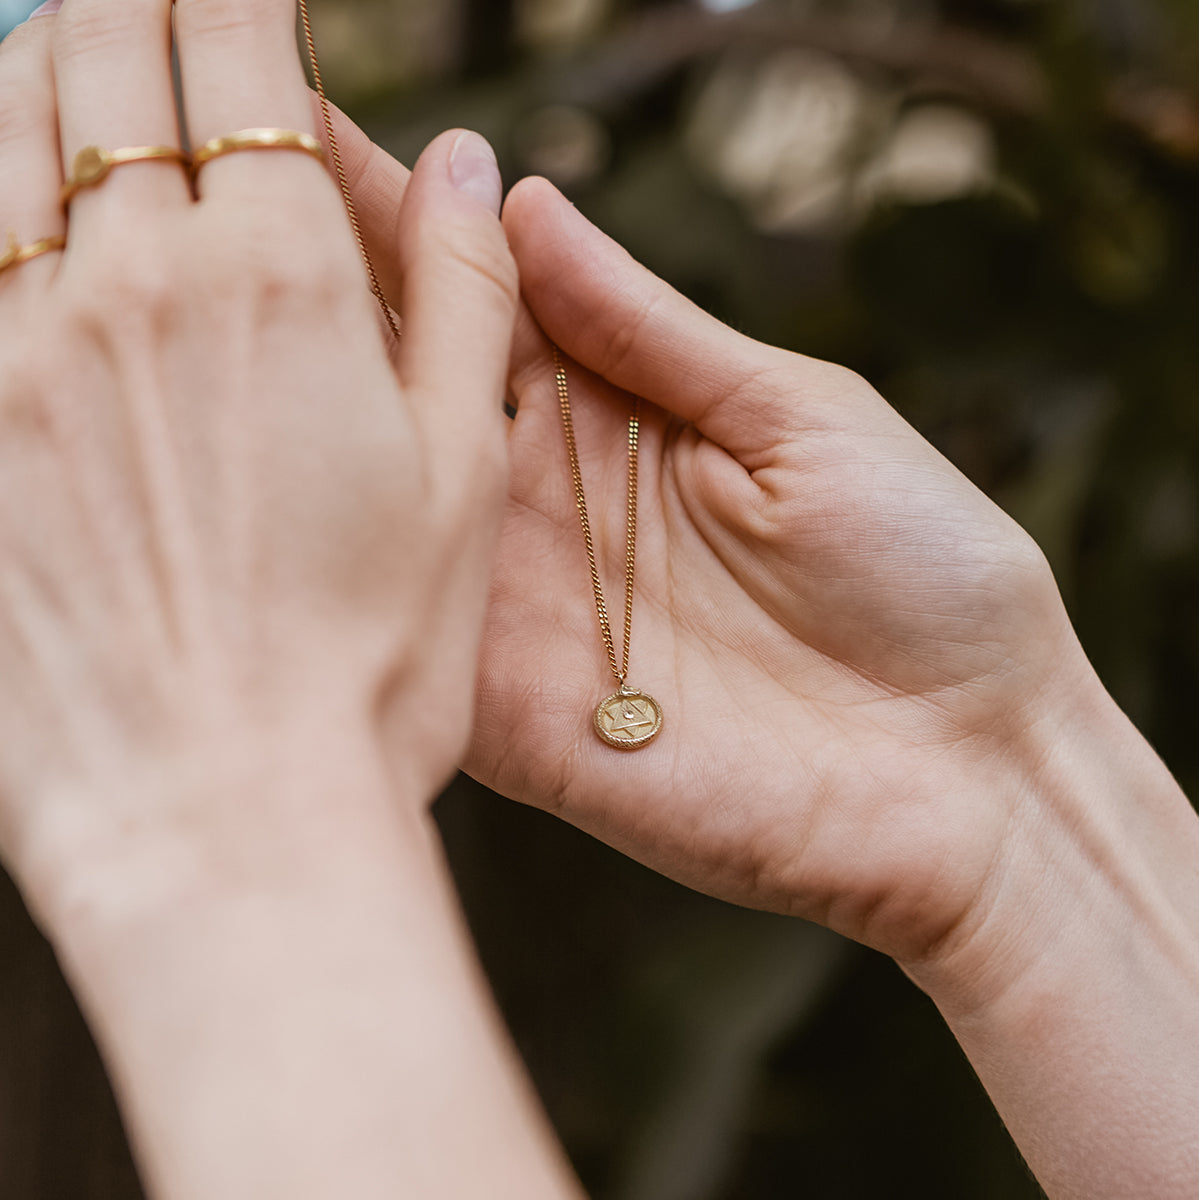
{"points": [[854, 649], [877, 714], [228, 519]]}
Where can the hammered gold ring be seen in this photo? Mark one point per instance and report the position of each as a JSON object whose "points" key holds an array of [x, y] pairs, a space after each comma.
{"points": [[257, 139], [15, 254], [93, 164]]}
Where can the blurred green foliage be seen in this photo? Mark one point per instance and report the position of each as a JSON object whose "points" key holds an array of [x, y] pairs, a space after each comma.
{"points": [[988, 208]]}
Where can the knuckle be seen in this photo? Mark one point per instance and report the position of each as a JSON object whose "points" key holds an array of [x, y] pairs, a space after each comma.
{"points": [[234, 24], [809, 395], [826, 380], [624, 336], [24, 416], [92, 29], [460, 248], [128, 282], [18, 120], [133, 279], [26, 107], [290, 282], [220, 17], [490, 262], [272, 256]]}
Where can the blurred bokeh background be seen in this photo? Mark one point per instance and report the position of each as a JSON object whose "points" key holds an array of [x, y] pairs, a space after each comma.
{"points": [[990, 208]]}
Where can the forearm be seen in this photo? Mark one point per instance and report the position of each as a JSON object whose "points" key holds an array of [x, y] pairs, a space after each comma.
{"points": [[297, 1013], [1076, 994]]}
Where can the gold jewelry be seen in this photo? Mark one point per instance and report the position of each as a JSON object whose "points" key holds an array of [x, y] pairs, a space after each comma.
{"points": [[342, 181], [294, 139], [256, 139], [629, 718], [15, 254], [93, 163]]}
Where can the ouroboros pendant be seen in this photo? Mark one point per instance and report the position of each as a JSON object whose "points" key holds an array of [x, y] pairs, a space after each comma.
{"points": [[628, 720]]}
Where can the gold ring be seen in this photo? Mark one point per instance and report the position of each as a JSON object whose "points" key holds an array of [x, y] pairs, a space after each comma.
{"points": [[93, 163], [15, 254], [257, 139]]}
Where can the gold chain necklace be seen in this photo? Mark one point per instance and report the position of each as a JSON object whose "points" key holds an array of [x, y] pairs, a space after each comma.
{"points": [[628, 719], [339, 170]]}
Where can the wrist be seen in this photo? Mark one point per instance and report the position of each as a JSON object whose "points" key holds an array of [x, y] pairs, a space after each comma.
{"points": [[1100, 836], [1073, 984], [248, 808], [287, 1002]]}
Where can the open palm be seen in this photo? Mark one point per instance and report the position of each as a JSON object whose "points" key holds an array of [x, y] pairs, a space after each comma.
{"points": [[847, 639]]}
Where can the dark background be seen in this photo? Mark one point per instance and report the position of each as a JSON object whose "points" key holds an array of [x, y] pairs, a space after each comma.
{"points": [[988, 207]]}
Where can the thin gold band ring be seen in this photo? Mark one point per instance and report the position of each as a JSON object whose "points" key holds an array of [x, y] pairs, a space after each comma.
{"points": [[93, 164], [15, 254], [257, 139]]}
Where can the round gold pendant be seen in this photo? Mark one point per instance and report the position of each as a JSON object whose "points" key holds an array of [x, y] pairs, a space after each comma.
{"points": [[628, 720]]}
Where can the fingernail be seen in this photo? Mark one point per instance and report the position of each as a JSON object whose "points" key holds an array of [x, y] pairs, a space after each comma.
{"points": [[474, 170], [46, 10]]}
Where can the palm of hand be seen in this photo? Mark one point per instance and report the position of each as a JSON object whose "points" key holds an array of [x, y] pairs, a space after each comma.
{"points": [[841, 631], [829, 635]]}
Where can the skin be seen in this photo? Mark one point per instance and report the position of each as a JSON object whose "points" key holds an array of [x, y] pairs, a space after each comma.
{"points": [[880, 718], [877, 714], [239, 541], [245, 555]]}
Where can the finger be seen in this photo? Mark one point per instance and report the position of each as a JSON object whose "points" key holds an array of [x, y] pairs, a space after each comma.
{"points": [[241, 69], [30, 170], [459, 295], [377, 183], [619, 320], [112, 67]]}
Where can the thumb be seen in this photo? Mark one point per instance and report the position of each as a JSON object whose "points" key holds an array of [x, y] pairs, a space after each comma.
{"points": [[617, 319], [458, 297]]}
